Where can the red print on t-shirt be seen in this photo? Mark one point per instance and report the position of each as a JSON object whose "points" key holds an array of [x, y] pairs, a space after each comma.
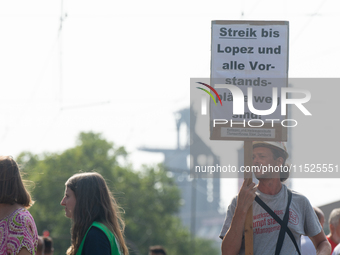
{"points": [[293, 217]]}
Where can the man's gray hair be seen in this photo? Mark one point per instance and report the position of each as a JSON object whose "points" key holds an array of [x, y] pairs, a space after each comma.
{"points": [[334, 217]]}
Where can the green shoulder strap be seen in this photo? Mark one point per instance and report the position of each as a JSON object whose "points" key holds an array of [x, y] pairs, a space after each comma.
{"points": [[108, 233]]}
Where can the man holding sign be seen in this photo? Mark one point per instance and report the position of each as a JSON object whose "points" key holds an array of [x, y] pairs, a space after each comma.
{"points": [[280, 216]]}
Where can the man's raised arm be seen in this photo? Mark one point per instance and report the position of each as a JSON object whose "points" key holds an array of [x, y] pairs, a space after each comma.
{"points": [[232, 241]]}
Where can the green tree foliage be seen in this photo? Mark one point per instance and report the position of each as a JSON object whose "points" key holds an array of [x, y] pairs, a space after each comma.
{"points": [[149, 197]]}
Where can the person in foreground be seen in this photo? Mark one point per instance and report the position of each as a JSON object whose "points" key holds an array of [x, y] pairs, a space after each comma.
{"points": [[48, 245], [41, 246], [156, 250], [307, 246], [18, 233], [97, 227], [334, 227], [280, 216]]}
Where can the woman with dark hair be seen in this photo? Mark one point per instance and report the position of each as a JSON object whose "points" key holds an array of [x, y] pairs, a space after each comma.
{"points": [[97, 227], [18, 233]]}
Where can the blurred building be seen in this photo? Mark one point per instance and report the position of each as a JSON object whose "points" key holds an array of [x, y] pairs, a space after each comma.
{"points": [[200, 196]]}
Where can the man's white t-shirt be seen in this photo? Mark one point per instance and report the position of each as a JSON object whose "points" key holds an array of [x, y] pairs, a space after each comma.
{"points": [[336, 250]]}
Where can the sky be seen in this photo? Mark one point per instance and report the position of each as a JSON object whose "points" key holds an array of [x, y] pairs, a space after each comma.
{"points": [[123, 68]]}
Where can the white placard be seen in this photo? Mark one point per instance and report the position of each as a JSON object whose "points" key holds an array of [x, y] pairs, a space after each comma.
{"points": [[253, 56]]}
